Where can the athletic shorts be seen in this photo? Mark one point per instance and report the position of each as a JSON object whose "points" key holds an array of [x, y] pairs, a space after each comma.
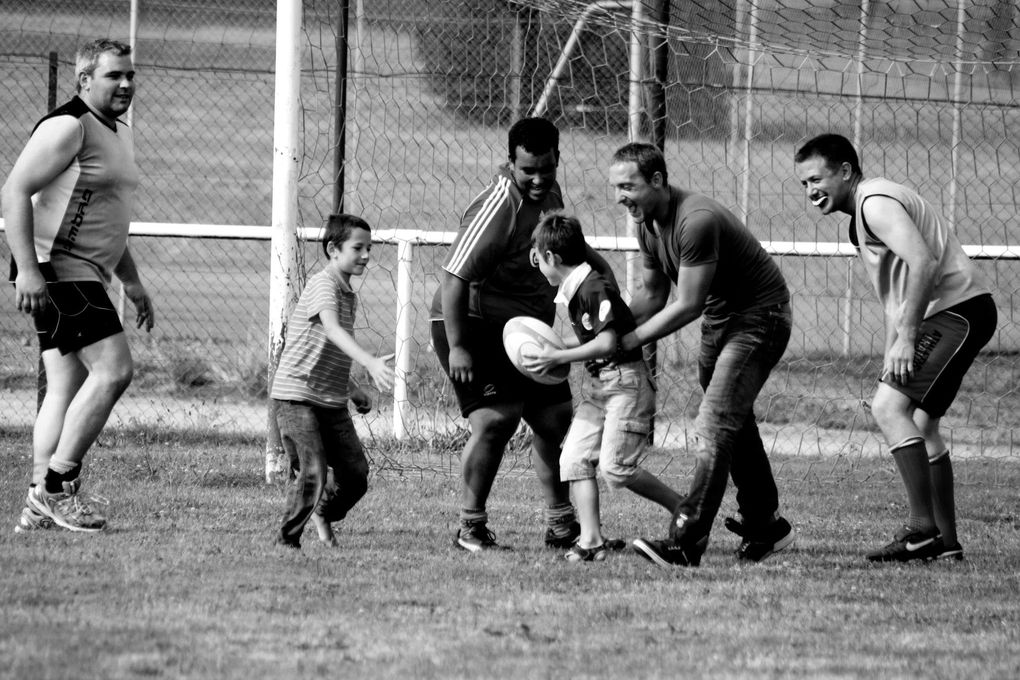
{"points": [[494, 379], [79, 313], [947, 344]]}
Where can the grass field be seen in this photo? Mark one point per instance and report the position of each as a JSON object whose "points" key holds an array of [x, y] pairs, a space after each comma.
{"points": [[186, 583]]}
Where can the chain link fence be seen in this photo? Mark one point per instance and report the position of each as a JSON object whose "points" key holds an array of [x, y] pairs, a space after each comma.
{"points": [[926, 89]]}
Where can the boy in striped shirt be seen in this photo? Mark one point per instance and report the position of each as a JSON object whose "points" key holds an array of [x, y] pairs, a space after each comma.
{"points": [[312, 386]]}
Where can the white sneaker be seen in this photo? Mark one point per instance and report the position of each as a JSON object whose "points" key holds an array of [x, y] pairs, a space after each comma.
{"points": [[68, 509], [29, 520]]}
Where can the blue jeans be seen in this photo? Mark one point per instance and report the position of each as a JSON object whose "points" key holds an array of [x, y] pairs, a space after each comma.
{"points": [[332, 473], [736, 357]]}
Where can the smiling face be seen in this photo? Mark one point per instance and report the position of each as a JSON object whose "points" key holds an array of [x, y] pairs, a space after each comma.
{"points": [[829, 189], [351, 257], [641, 198], [110, 88], [534, 174]]}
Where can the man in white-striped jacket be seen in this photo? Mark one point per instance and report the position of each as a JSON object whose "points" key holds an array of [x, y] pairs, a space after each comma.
{"points": [[489, 278]]}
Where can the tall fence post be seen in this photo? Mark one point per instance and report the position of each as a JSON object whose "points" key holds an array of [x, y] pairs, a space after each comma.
{"points": [[404, 333], [283, 266]]}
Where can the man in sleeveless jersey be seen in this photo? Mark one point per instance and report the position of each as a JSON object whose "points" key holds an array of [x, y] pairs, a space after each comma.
{"points": [[67, 204], [938, 315], [723, 276], [487, 279]]}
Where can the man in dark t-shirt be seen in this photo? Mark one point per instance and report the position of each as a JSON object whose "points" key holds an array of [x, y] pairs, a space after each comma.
{"points": [[721, 273]]}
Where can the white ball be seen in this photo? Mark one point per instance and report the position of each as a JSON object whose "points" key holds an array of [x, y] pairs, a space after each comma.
{"points": [[527, 335]]}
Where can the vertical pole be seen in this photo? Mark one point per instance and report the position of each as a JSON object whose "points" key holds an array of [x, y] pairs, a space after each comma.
{"points": [[752, 51], [51, 103], [516, 65], [957, 113], [340, 107], [283, 266], [634, 110], [658, 64], [848, 294], [130, 117], [404, 335], [739, 27]]}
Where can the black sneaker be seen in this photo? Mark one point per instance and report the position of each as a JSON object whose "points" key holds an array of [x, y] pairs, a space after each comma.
{"points": [[757, 546], [908, 545], [562, 536], [670, 554], [947, 552], [474, 537]]}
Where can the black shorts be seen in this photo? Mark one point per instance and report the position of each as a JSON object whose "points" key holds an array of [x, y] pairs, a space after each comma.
{"points": [[947, 344], [495, 380], [79, 313]]}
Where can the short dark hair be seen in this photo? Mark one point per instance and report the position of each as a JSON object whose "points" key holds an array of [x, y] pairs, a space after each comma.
{"points": [[560, 234], [835, 149], [87, 58], [647, 157], [338, 229], [536, 135]]}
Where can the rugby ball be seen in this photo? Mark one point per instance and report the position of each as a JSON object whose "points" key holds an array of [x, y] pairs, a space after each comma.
{"points": [[526, 335]]}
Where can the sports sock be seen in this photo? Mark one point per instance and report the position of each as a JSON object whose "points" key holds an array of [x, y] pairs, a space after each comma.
{"points": [[473, 516], [943, 501], [59, 472], [559, 517], [912, 460]]}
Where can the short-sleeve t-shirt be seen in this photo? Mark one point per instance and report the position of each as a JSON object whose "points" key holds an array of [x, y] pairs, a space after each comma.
{"points": [[312, 369], [492, 251], [81, 218], [702, 231], [593, 305]]}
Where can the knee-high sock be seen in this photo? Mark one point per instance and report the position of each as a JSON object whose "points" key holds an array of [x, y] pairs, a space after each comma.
{"points": [[912, 460], [942, 496]]}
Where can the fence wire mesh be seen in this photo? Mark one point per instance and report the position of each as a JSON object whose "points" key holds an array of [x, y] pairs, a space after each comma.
{"points": [[926, 87]]}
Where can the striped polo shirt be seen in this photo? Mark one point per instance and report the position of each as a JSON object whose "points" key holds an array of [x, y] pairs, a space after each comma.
{"points": [[82, 216], [312, 369]]}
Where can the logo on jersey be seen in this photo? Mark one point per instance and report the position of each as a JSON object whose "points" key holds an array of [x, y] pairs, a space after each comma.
{"points": [[586, 321], [604, 310]]}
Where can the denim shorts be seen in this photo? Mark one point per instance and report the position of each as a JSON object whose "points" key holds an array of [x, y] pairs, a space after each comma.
{"points": [[611, 425]]}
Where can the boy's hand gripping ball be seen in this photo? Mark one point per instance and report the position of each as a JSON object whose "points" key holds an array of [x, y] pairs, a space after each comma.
{"points": [[526, 335]]}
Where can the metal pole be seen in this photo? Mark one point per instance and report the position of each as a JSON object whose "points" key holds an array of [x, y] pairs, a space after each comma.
{"points": [[957, 113], [340, 107], [848, 294], [283, 265], [745, 195]]}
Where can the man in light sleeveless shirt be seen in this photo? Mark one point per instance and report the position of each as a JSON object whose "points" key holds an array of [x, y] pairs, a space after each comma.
{"points": [[938, 315], [67, 204]]}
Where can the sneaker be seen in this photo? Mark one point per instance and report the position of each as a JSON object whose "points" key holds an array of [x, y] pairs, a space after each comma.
{"points": [[756, 547], [907, 545], [475, 537], [68, 509], [579, 554], [941, 551], [565, 537], [670, 554], [325, 530], [30, 520]]}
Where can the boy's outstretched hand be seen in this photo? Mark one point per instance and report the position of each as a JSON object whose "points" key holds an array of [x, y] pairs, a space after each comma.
{"points": [[381, 372]]}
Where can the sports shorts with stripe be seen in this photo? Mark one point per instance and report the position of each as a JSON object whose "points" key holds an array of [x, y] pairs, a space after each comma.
{"points": [[946, 346]]}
